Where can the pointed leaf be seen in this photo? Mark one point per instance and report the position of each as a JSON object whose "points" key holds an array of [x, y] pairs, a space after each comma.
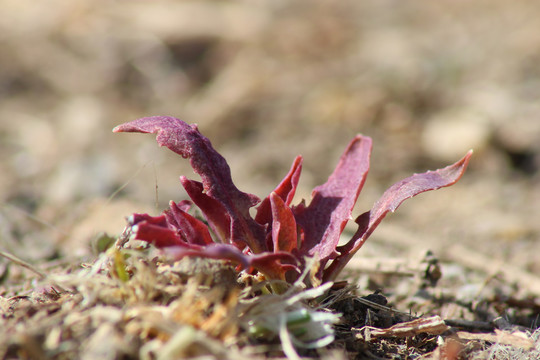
{"points": [[160, 220], [284, 231], [286, 190], [215, 173], [214, 212], [157, 235], [193, 230], [330, 209], [390, 201]]}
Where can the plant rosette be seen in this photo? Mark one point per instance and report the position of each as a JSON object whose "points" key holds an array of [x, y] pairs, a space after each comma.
{"points": [[279, 239]]}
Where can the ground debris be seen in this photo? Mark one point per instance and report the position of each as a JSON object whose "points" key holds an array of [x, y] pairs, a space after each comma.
{"points": [[433, 325], [130, 303], [101, 315]]}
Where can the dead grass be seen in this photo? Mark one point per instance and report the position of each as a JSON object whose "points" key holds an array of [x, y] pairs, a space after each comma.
{"points": [[130, 304]]}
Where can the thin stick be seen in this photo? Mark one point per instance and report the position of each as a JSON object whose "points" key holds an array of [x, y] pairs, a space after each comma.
{"points": [[124, 185], [156, 182], [28, 266], [22, 263]]}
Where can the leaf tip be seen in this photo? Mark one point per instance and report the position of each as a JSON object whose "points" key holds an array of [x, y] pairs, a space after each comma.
{"points": [[464, 162], [125, 127]]}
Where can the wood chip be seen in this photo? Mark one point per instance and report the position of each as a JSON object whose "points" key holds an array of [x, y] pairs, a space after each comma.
{"points": [[433, 325]]}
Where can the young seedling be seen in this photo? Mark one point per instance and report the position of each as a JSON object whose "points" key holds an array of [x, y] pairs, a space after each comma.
{"points": [[277, 241]]}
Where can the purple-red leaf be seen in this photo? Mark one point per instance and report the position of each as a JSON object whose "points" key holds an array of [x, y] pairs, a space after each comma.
{"points": [[157, 234], [160, 220], [215, 173], [193, 230], [332, 203], [184, 205], [389, 202], [214, 212], [274, 265], [284, 233], [213, 251], [286, 190], [290, 234]]}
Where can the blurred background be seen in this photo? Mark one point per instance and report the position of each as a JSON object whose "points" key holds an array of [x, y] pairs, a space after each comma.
{"points": [[267, 80]]}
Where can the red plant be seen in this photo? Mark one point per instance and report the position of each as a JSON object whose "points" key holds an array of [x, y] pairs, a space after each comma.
{"points": [[280, 237]]}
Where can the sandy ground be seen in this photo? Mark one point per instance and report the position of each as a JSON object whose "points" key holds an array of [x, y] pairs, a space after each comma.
{"points": [[265, 81]]}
